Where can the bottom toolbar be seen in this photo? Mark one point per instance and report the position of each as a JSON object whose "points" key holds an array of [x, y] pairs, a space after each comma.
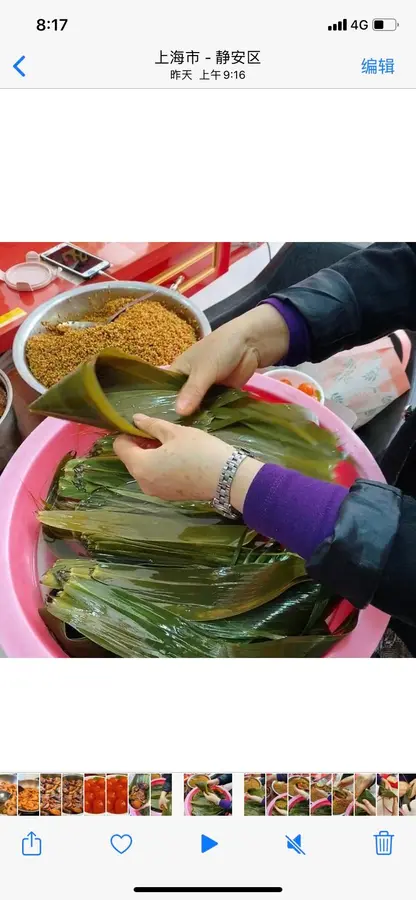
{"points": [[116, 858]]}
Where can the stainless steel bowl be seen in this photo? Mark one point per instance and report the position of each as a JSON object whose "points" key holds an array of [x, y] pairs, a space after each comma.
{"points": [[4, 793], [8, 426], [79, 301]]}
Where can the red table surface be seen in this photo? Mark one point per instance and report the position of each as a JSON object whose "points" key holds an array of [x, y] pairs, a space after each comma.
{"points": [[128, 261]]}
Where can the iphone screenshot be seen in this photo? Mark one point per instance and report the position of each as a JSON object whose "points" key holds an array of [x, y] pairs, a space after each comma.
{"points": [[207, 449]]}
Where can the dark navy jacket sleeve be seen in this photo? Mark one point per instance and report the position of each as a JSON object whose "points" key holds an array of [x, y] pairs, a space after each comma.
{"points": [[364, 296], [371, 555]]}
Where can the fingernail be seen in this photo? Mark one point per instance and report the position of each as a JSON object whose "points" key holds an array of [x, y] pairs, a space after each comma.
{"points": [[138, 417]]}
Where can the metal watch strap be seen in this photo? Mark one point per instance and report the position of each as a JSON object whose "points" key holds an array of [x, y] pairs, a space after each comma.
{"points": [[221, 501]]}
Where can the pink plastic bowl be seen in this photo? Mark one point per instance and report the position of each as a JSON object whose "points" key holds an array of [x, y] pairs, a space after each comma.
{"points": [[318, 803], [24, 485], [270, 808], [218, 789]]}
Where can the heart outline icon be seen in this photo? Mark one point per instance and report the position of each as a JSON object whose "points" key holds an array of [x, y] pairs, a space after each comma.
{"points": [[120, 839]]}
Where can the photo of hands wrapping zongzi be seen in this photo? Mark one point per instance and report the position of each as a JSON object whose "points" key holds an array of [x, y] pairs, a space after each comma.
{"points": [[210, 487], [277, 795], [321, 794], [361, 794], [254, 794], [208, 794], [407, 794]]}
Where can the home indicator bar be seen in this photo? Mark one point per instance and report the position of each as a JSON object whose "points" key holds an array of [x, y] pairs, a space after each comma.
{"points": [[208, 890]]}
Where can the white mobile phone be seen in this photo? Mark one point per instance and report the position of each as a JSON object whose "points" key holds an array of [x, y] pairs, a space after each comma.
{"points": [[75, 259]]}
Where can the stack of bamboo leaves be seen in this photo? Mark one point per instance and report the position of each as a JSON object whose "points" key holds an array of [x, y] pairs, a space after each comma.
{"points": [[153, 578], [203, 806]]}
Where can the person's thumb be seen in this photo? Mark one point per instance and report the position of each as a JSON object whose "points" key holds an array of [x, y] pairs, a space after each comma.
{"points": [[201, 378], [155, 428]]}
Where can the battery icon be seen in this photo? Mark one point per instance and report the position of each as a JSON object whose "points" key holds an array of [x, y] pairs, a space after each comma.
{"points": [[385, 24]]}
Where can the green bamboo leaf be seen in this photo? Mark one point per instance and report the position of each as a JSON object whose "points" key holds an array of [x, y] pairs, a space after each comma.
{"points": [[300, 809], [170, 540], [311, 646], [253, 809], [204, 595], [82, 395], [54, 486], [103, 446], [175, 579], [104, 481], [387, 793], [107, 390], [130, 626], [128, 629], [156, 791], [366, 795], [201, 806]]}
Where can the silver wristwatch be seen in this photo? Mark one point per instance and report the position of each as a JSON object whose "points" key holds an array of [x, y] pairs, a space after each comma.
{"points": [[221, 501]]}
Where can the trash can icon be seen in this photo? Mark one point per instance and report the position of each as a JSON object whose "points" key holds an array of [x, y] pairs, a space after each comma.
{"points": [[384, 843]]}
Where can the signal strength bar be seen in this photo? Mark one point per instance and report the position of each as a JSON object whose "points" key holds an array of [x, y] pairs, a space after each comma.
{"points": [[338, 26]]}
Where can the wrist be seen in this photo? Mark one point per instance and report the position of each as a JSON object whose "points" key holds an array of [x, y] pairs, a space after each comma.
{"points": [[242, 481], [267, 333]]}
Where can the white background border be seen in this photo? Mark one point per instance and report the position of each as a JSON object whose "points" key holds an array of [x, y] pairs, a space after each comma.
{"points": [[246, 165], [274, 165]]}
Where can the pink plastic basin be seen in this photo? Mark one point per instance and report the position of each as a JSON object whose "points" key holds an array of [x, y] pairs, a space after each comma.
{"points": [[217, 789], [271, 806], [24, 485], [318, 804]]}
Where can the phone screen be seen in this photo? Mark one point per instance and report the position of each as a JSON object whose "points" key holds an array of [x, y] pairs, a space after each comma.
{"points": [[74, 258]]}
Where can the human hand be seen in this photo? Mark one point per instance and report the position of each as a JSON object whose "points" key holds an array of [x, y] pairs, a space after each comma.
{"points": [[253, 798], [279, 812], [367, 807], [231, 354], [362, 783], [297, 792], [345, 782], [162, 801], [407, 787], [213, 798], [186, 466], [403, 788]]}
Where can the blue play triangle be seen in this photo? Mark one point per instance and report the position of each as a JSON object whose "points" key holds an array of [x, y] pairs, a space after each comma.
{"points": [[207, 843]]}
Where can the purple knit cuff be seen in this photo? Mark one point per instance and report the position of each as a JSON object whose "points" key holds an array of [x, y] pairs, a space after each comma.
{"points": [[297, 511], [299, 338]]}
